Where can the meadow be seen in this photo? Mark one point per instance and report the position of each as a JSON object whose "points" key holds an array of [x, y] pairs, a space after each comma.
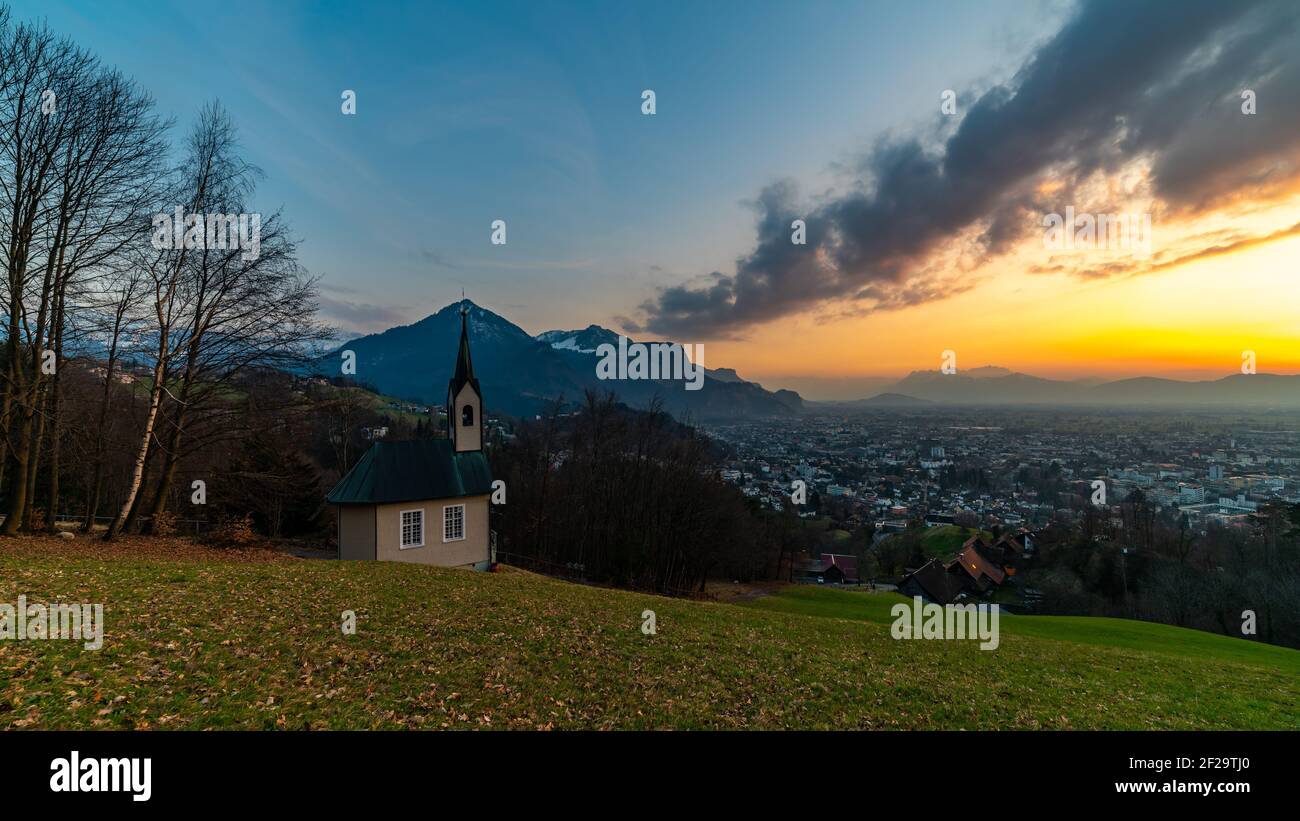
{"points": [[200, 638]]}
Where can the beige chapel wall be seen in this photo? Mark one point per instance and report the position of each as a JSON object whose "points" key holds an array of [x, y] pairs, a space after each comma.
{"points": [[356, 531], [471, 550]]}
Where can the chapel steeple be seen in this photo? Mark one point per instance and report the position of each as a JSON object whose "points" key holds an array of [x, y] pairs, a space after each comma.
{"points": [[464, 398]]}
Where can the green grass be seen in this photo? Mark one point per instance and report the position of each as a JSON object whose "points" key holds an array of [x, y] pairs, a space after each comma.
{"points": [[1146, 637], [206, 643], [944, 541]]}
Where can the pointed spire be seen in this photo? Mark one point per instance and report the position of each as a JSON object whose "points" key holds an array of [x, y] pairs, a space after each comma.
{"points": [[464, 363]]}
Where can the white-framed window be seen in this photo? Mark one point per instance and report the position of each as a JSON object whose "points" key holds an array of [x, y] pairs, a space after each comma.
{"points": [[412, 529], [453, 523]]}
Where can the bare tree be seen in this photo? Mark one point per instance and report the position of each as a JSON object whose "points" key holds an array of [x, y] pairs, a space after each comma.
{"points": [[108, 178], [35, 65], [79, 155], [243, 313], [209, 170]]}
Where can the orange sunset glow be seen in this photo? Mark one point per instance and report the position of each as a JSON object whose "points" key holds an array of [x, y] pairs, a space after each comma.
{"points": [[1190, 321]]}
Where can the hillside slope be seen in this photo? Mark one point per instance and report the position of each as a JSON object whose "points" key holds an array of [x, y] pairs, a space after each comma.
{"points": [[1146, 637], [200, 641], [944, 541]]}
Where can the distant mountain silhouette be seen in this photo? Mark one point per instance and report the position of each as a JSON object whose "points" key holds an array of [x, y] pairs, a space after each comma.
{"points": [[887, 400], [1019, 388], [987, 371], [725, 375], [520, 374], [1238, 389], [1009, 388]]}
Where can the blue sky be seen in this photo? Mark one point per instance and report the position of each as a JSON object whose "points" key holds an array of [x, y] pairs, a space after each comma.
{"points": [[530, 112]]}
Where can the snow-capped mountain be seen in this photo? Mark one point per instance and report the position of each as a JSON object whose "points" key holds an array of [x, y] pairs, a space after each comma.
{"points": [[584, 341]]}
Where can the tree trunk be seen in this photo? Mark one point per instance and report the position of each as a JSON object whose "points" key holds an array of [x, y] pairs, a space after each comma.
{"points": [[137, 473], [52, 403], [137, 507], [33, 469], [18, 496], [16, 385], [171, 458]]}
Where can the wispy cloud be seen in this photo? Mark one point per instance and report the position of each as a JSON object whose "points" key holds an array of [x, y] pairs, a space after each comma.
{"points": [[352, 315]]}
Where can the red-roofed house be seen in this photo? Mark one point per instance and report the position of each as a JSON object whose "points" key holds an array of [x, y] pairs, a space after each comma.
{"points": [[982, 573], [838, 568]]}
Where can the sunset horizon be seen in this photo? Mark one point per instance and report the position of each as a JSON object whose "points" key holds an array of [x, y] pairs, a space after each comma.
{"points": [[924, 206]]}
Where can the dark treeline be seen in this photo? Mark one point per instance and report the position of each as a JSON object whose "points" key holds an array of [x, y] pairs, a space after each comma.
{"points": [[1147, 563], [629, 498]]}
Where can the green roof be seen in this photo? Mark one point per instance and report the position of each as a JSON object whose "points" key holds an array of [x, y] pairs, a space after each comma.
{"points": [[412, 471]]}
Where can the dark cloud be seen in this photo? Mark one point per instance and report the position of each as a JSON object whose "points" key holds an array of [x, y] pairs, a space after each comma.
{"points": [[1121, 81], [357, 316]]}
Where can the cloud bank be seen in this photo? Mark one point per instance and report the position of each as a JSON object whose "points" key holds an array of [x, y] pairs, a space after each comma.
{"points": [[1122, 84]]}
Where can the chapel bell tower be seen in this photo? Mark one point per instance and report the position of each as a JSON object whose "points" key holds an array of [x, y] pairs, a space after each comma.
{"points": [[464, 399]]}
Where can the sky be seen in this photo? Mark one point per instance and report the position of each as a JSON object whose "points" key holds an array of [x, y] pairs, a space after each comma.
{"points": [[924, 211]]}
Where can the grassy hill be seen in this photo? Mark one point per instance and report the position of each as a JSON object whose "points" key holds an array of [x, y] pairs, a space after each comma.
{"points": [[209, 639], [944, 541], [1147, 637]]}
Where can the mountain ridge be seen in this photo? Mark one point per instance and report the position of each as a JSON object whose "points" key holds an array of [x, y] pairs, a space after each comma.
{"points": [[521, 374]]}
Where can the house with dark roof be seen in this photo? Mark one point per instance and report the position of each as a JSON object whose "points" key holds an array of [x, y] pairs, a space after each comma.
{"points": [[1021, 544], [978, 542], [1007, 552], [838, 568], [933, 582], [427, 500], [827, 568], [1010, 551]]}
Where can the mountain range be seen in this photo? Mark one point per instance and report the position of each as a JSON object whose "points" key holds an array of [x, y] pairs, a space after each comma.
{"points": [[521, 373]]}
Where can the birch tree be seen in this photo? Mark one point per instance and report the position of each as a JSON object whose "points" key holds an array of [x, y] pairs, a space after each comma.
{"points": [[210, 171]]}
